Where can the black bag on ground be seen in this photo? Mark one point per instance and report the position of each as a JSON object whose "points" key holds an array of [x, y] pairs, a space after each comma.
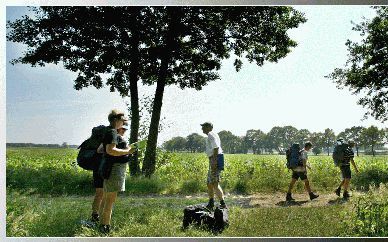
{"points": [[199, 215], [221, 219]]}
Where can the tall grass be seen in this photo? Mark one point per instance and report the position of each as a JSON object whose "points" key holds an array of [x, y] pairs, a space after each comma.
{"points": [[33, 215], [369, 215], [53, 171]]}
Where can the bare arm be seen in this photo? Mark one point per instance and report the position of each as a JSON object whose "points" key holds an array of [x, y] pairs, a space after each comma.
{"points": [[100, 149], [354, 165], [305, 164], [112, 150], [214, 159]]}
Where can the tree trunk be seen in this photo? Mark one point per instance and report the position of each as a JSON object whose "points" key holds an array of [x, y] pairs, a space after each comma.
{"points": [[373, 150], [357, 149], [134, 41], [150, 154]]}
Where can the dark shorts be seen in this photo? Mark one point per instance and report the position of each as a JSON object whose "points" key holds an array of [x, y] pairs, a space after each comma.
{"points": [[98, 181], [302, 175], [346, 172]]}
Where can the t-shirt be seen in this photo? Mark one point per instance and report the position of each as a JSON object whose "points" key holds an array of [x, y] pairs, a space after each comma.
{"points": [[348, 155], [110, 137], [213, 141], [122, 142]]}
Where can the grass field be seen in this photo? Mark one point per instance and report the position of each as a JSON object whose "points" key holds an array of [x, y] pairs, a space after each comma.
{"points": [[48, 196]]}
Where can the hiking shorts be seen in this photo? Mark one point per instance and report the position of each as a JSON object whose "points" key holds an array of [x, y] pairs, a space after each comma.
{"points": [[299, 174], [98, 181], [116, 181], [213, 177], [346, 172]]}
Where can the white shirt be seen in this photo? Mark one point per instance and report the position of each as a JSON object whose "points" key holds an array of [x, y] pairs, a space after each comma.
{"points": [[213, 141]]}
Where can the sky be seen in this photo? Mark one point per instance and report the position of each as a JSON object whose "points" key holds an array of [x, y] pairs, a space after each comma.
{"points": [[43, 107]]}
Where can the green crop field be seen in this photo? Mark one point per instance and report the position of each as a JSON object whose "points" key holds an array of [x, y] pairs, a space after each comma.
{"points": [[47, 195]]}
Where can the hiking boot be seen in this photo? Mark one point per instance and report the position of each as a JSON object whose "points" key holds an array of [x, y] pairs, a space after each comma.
{"points": [[210, 204], [223, 205], [313, 196], [338, 191], [95, 218], [346, 195], [105, 228], [289, 198]]}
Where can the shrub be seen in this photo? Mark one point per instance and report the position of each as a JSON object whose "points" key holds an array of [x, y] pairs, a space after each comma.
{"points": [[369, 216]]}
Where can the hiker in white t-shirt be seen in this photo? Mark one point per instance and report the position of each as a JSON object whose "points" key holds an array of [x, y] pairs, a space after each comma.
{"points": [[214, 153], [301, 172]]}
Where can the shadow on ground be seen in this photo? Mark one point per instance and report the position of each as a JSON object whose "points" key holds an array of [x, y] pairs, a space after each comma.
{"points": [[291, 203]]}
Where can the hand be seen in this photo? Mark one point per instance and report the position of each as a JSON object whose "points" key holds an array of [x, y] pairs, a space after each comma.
{"points": [[131, 150]]}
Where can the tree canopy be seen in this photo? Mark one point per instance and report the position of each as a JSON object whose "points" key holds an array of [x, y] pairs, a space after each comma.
{"points": [[366, 70]]}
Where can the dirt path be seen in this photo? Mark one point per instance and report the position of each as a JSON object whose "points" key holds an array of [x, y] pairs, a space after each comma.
{"points": [[264, 200], [278, 200]]}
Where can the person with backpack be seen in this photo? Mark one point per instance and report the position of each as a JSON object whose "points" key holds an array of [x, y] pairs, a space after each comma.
{"points": [[89, 158], [299, 169], [116, 153], [343, 155], [215, 155]]}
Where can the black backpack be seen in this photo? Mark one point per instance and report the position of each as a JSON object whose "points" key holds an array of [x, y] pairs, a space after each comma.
{"points": [[88, 158], [339, 153], [293, 155], [200, 216]]}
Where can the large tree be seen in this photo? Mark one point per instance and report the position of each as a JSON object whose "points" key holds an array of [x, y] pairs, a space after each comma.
{"points": [[366, 70], [318, 141], [281, 138], [230, 143], [175, 144], [195, 143], [176, 45], [254, 139], [194, 40], [372, 137], [352, 133], [329, 138], [303, 136], [92, 41]]}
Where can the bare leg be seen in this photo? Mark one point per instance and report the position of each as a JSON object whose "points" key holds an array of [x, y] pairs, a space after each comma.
{"points": [[342, 183], [346, 184], [210, 190], [109, 199], [292, 183], [97, 201], [307, 185], [218, 190]]}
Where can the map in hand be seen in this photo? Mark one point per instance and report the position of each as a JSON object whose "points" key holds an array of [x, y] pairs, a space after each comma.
{"points": [[139, 145]]}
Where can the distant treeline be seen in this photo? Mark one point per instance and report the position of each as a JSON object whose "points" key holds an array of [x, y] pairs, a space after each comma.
{"points": [[370, 140], [64, 145]]}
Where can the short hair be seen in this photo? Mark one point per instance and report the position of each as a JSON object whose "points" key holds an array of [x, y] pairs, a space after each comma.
{"points": [[308, 144], [114, 114]]}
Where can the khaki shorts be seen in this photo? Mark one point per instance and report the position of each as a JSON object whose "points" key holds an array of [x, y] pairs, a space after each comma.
{"points": [[116, 181], [213, 177]]}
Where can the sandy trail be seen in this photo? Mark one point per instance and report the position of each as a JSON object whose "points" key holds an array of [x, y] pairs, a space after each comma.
{"points": [[279, 200]]}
